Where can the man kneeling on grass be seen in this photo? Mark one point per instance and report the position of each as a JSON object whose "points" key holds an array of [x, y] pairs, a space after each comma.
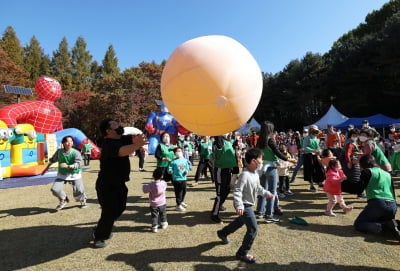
{"points": [[244, 197]]}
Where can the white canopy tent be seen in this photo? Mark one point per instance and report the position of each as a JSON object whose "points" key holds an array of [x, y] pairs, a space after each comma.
{"points": [[250, 125], [333, 117]]}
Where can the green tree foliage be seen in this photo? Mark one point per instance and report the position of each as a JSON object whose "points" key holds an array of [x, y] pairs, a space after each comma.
{"points": [[81, 63], [359, 75], [110, 63], [294, 96], [35, 61], [12, 46], [61, 66]]}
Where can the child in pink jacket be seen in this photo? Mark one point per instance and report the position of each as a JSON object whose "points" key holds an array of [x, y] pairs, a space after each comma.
{"points": [[158, 202], [333, 187]]}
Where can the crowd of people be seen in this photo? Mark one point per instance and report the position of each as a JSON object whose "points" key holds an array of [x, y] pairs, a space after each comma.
{"points": [[258, 168]]}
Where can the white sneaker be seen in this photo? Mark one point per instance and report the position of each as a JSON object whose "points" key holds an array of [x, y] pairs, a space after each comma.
{"points": [[83, 204], [184, 205], [164, 225], [62, 204], [180, 208], [154, 229]]}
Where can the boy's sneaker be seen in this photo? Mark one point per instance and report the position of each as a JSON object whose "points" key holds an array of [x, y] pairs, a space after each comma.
{"points": [[271, 219], [246, 258], [260, 216], [330, 213], [282, 196], [223, 237], [154, 229], [347, 209], [289, 193], [164, 225], [184, 205], [216, 218], [62, 204], [180, 208], [100, 244], [83, 204]]}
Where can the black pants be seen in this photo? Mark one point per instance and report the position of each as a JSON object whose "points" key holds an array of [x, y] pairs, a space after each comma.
{"points": [[167, 176], [222, 187], [112, 200], [140, 155], [313, 170], [180, 191], [202, 169], [284, 184], [86, 159]]}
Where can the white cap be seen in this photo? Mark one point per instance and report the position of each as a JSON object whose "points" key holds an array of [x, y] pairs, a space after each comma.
{"points": [[132, 131]]}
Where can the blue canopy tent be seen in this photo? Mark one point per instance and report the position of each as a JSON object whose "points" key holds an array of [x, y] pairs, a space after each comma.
{"points": [[377, 121]]}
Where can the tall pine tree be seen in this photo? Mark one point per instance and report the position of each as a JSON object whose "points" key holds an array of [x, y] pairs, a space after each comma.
{"points": [[110, 63], [81, 64], [12, 46], [61, 66]]}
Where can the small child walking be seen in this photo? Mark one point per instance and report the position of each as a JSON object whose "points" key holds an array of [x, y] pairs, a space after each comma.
{"points": [[283, 173], [245, 195], [158, 202], [179, 168], [333, 187]]}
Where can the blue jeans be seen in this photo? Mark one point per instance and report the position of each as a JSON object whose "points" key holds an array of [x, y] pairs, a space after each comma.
{"points": [[375, 214], [298, 166], [269, 181], [250, 220]]}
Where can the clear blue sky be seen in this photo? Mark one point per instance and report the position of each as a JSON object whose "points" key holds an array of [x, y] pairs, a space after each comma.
{"points": [[274, 31]]}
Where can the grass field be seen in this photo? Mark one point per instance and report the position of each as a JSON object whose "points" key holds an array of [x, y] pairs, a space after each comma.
{"points": [[33, 236]]}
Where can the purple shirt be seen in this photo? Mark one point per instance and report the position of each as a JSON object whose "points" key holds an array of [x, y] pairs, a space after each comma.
{"points": [[156, 192]]}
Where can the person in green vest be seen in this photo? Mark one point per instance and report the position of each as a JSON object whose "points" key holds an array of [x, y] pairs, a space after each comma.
{"points": [[86, 152], [205, 151], [313, 171], [267, 208], [369, 146], [165, 154], [225, 164], [69, 171], [379, 214]]}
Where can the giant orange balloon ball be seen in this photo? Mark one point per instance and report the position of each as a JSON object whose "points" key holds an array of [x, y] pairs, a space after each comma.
{"points": [[211, 85]]}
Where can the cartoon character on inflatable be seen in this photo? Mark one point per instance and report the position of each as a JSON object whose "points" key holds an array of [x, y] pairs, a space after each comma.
{"points": [[42, 119], [160, 122]]}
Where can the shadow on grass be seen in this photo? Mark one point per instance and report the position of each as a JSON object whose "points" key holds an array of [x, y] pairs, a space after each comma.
{"points": [[144, 259], [25, 211], [26, 247]]}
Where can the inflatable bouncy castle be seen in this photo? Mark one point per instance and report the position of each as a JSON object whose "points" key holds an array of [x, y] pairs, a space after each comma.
{"points": [[32, 129]]}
